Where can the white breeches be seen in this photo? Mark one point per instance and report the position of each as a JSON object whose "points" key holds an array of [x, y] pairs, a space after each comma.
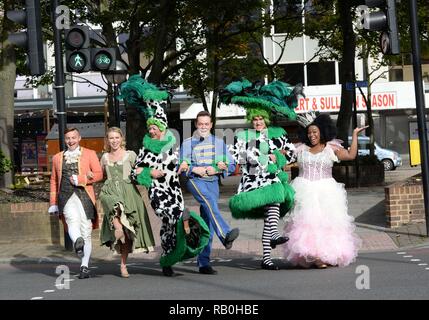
{"points": [[78, 225]]}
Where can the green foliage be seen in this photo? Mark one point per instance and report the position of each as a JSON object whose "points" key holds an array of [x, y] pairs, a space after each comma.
{"points": [[5, 164]]}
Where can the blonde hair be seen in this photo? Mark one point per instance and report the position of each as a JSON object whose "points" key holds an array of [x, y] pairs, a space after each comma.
{"points": [[106, 138]]}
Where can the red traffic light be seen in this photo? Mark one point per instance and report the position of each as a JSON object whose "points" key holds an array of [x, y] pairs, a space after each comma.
{"points": [[77, 37]]}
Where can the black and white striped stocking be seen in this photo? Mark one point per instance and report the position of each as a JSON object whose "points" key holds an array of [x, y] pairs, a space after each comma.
{"points": [[271, 220]]}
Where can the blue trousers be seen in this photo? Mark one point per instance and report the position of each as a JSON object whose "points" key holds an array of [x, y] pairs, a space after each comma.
{"points": [[207, 194]]}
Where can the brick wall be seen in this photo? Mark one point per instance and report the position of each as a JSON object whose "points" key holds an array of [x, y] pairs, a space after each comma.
{"points": [[29, 221], [404, 203]]}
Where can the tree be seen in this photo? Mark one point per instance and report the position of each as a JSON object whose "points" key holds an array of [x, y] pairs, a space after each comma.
{"points": [[7, 84], [332, 24]]}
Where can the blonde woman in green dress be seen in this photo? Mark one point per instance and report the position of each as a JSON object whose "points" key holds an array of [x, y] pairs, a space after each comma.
{"points": [[126, 227]]}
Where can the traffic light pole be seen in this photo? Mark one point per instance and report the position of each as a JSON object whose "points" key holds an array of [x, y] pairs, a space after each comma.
{"points": [[60, 95], [420, 107], [116, 104]]}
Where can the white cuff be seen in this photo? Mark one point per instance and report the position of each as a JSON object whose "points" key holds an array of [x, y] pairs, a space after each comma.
{"points": [[53, 209], [75, 179]]}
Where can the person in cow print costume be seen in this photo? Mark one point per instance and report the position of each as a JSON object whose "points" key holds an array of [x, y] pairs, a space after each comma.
{"points": [[183, 234], [262, 152]]}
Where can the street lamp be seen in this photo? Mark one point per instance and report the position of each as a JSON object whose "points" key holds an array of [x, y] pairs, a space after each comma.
{"points": [[116, 78]]}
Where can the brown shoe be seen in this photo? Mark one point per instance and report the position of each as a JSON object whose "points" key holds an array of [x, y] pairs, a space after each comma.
{"points": [[320, 265]]}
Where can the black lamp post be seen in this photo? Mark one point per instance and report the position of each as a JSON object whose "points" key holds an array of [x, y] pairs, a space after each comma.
{"points": [[116, 78]]}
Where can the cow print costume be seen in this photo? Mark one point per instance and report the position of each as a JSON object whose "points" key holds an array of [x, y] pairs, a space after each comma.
{"points": [[264, 191], [254, 162], [165, 193]]}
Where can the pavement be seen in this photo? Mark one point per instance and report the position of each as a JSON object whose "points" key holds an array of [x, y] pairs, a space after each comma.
{"points": [[366, 205]]}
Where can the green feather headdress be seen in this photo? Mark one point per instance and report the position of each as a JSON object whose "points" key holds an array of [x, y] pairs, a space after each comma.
{"points": [[148, 98], [277, 97]]}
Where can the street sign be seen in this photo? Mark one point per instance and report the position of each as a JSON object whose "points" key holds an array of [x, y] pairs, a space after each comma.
{"points": [[361, 84], [350, 86]]}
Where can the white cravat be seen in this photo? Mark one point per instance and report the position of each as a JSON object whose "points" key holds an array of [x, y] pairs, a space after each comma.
{"points": [[72, 156]]}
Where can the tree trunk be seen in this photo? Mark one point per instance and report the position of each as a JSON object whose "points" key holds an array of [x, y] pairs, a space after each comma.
{"points": [[133, 45], [166, 12], [347, 70], [136, 123], [7, 89]]}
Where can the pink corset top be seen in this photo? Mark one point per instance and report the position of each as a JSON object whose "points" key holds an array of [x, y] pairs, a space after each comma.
{"points": [[316, 166]]}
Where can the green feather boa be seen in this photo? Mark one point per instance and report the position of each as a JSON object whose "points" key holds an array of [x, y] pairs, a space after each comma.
{"points": [[157, 146], [250, 205], [144, 178], [184, 249]]}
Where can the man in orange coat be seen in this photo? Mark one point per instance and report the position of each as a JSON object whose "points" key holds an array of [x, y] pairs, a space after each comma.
{"points": [[72, 193]]}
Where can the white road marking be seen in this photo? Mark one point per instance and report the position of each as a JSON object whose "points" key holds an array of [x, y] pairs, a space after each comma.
{"points": [[36, 298], [415, 260], [422, 264], [48, 291], [407, 256], [401, 252]]}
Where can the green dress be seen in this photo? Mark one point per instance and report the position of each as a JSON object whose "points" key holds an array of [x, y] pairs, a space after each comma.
{"points": [[118, 190]]}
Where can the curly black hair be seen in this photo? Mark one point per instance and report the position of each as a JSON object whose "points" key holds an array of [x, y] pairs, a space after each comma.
{"points": [[328, 130]]}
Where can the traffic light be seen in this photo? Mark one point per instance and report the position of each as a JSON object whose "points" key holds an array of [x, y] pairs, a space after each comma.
{"points": [[383, 20], [103, 59], [78, 54], [81, 58], [31, 39]]}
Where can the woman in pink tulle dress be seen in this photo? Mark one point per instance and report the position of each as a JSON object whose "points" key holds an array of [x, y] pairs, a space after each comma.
{"points": [[320, 231]]}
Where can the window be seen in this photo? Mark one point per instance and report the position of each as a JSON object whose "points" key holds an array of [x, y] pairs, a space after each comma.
{"points": [[320, 73], [293, 73], [396, 74]]}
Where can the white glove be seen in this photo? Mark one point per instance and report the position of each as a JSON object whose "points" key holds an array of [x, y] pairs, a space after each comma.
{"points": [[75, 179], [53, 209]]}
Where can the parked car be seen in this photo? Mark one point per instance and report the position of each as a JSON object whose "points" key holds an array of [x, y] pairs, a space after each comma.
{"points": [[391, 159]]}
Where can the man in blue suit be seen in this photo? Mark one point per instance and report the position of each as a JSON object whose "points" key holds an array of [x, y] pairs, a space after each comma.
{"points": [[204, 158]]}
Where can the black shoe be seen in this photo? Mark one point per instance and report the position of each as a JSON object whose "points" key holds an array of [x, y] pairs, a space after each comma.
{"points": [[207, 270], [230, 237], [84, 273], [269, 266], [280, 240], [168, 271], [78, 247]]}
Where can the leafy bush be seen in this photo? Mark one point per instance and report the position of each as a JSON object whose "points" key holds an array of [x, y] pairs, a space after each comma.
{"points": [[5, 163]]}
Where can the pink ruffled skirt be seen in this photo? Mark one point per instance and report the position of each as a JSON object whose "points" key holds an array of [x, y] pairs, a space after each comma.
{"points": [[318, 226]]}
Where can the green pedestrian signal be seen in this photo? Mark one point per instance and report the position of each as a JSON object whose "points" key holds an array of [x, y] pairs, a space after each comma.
{"points": [[77, 61]]}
